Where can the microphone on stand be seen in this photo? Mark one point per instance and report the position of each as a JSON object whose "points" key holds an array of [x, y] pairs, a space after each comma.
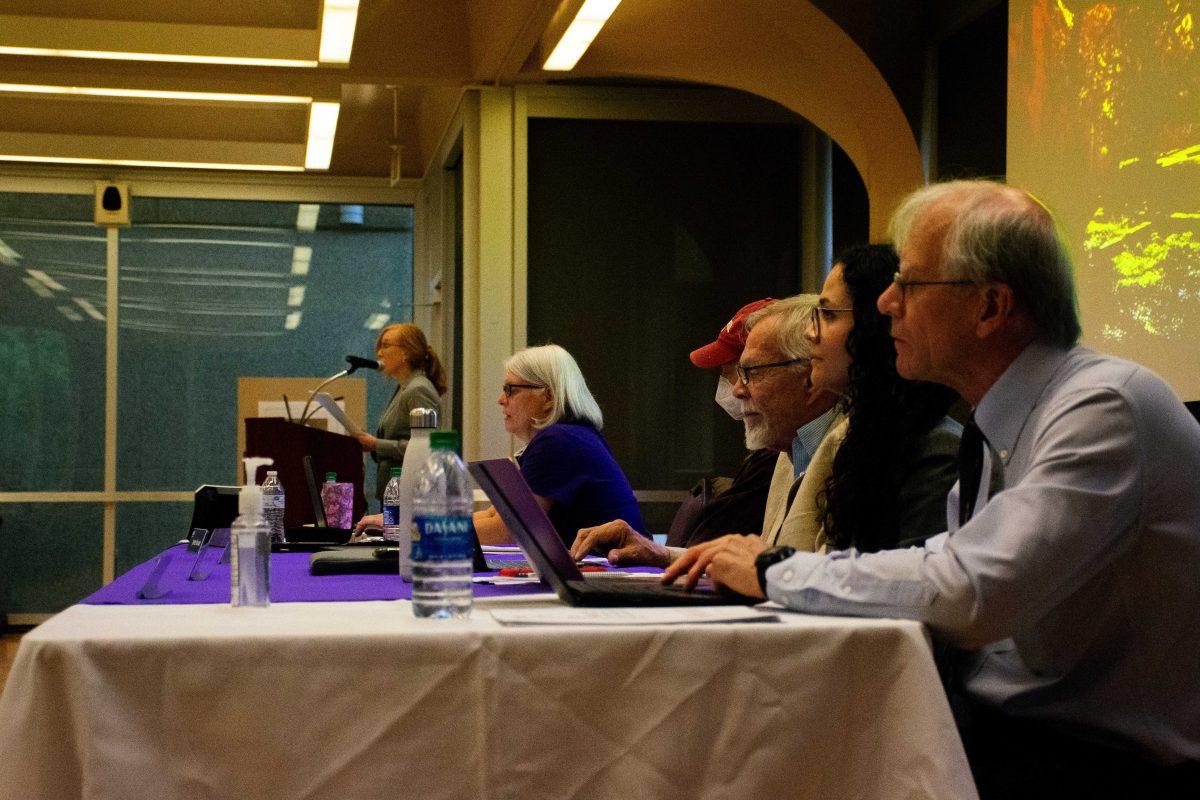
{"points": [[355, 362]]}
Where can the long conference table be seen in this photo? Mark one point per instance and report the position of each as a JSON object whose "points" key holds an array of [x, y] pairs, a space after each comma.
{"points": [[337, 691]]}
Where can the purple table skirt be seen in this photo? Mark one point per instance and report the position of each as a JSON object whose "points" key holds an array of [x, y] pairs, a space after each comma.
{"points": [[290, 583]]}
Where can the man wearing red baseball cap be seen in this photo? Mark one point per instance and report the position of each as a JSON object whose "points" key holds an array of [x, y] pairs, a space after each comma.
{"points": [[740, 507]]}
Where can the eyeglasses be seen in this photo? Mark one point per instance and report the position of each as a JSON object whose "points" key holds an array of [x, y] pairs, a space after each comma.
{"points": [[904, 285], [828, 313], [509, 388], [386, 345], [746, 374]]}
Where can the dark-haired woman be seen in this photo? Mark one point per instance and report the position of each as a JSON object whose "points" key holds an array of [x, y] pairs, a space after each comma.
{"points": [[405, 356], [897, 458], [880, 477]]}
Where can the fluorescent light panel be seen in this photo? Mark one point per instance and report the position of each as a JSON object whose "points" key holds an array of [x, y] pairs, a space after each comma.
{"points": [[8, 255], [90, 309], [579, 34], [46, 280], [306, 220], [338, 20], [293, 321], [129, 162], [322, 125], [296, 296], [37, 287], [302, 256], [117, 55], [154, 94], [70, 313]]}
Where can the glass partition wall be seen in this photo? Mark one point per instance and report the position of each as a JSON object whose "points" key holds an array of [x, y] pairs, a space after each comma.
{"points": [[208, 291]]}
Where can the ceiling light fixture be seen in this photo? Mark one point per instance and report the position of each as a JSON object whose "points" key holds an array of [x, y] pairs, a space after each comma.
{"points": [[87, 306], [376, 322], [338, 20], [296, 296], [37, 287], [175, 58], [70, 313], [306, 220], [129, 162], [579, 34], [46, 280], [154, 94], [322, 125], [8, 255], [302, 257], [293, 321]]}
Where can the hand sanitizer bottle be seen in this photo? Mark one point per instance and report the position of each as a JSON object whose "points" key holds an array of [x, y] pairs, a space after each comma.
{"points": [[250, 552]]}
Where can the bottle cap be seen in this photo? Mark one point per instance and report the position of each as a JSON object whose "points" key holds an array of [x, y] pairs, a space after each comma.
{"points": [[250, 501], [423, 418], [272, 473], [394, 472], [331, 477], [443, 440]]}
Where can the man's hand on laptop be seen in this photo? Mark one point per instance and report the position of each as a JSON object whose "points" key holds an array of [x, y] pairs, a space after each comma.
{"points": [[729, 562], [626, 547]]}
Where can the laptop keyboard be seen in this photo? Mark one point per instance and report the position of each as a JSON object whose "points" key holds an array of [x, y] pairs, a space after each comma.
{"points": [[639, 586]]}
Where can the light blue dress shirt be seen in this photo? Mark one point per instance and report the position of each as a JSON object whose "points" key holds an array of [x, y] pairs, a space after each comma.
{"points": [[808, 439], [1077, 586]]}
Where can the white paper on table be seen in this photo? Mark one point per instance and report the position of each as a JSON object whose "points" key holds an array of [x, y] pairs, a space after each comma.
{"points": [[337, 412], [567, 615]]}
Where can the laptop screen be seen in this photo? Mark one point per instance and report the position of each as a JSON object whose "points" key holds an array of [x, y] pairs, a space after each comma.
{"points": [[501, 481]]}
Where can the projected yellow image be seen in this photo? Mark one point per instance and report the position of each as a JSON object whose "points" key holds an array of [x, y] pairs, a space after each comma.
{"points": [[1104, 124]]}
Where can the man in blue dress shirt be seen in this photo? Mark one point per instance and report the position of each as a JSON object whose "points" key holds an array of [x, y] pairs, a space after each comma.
{"points": [[1073, 590]]}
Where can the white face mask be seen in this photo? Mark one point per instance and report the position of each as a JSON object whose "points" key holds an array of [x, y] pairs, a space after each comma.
{"points": [[726, 400]]}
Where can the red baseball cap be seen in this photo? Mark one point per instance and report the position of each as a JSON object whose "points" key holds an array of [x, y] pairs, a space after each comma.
{"points": [[730, 341]]}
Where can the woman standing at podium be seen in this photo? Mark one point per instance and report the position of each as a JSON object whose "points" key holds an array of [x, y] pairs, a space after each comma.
{"points": [[405, 356]]}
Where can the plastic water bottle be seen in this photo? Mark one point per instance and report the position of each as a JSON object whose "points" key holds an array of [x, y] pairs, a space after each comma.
{"points": [[250, 552], [273, 505], [391, 509], [441, 533], [421, 422]]}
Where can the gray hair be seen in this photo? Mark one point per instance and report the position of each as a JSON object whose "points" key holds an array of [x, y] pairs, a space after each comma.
{"points": [[553, 367], [999, 234], [794, 313]]}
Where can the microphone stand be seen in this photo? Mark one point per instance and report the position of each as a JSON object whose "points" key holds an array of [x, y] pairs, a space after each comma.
{"points": [[326, 382]]}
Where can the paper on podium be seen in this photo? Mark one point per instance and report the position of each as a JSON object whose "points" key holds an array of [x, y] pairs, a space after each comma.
{"points": [[329, 404]]}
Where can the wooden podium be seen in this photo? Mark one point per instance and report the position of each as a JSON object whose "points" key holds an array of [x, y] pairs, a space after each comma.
{"points": [[288, 443]]}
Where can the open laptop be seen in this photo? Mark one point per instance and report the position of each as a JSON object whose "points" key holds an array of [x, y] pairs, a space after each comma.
{"points": [[501, 481]]}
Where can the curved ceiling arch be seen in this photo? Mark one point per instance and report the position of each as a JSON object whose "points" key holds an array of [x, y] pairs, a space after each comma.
{"points": [[786, 51]]}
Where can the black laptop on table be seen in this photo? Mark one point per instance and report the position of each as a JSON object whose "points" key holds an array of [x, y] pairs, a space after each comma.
{"points": [[501, 481]]}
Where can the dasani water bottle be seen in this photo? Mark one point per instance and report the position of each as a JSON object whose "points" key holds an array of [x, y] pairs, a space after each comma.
{"points": [[391, 508], [273, 505], [441, 532]]}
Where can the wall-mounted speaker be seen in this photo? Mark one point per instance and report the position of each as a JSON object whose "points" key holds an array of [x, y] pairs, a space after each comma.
{"points": [[112, 203]]}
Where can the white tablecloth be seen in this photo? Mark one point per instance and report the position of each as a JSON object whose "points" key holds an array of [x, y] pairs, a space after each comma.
{"points": [[361, 700]]}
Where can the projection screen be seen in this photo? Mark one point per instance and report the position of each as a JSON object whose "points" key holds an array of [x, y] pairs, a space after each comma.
{"points": [[1104, 127]]}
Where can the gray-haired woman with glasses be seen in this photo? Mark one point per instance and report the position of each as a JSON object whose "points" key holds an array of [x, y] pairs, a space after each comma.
{"points": [[547, 405]]}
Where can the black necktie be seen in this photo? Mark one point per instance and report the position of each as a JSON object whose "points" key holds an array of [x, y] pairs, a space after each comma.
{"points": [[970, 469]]}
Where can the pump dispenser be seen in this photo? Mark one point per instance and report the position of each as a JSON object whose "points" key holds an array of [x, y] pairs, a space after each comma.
{"points": [[252, 464], [250, 545]]}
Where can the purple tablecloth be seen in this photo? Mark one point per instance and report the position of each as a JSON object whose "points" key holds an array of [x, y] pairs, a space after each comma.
{"points": [[290, 582]]}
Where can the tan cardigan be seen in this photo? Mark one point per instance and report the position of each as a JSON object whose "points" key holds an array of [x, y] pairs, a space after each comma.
{"points": [[791, 517]]}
